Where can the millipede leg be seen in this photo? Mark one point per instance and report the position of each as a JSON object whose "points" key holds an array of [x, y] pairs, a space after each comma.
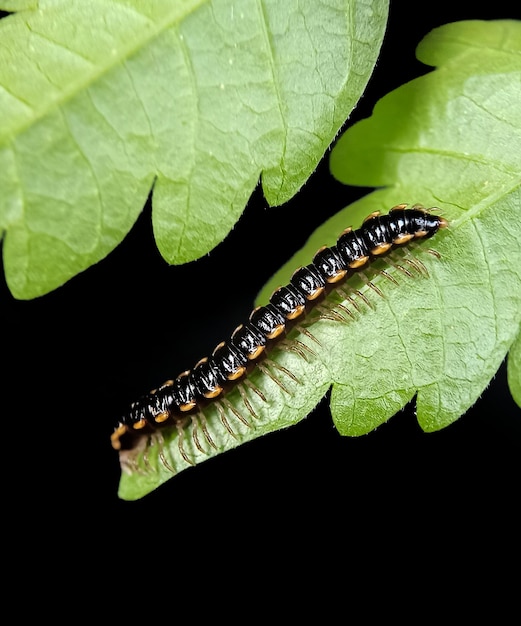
{"points": [[224, 420], [388, 276], [345, 293], [247, 402], [414, 264], [299, 348], [308, 334], [241, 419], [304, 347], [337, 317], [370, 284], [399, 267], [353, 302], [348, 296], [417, 265], [132, 463], [282, 369], [204, 427], [180, 442], [345, 309], [129, 459], [255, 389], [195, 434], [135, 467], [326, 313], [146, 460], [158, 436], [365, 299], [266, 370]]}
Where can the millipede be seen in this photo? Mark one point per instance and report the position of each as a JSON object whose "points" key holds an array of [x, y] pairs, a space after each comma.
{"points": [[180, 401]]}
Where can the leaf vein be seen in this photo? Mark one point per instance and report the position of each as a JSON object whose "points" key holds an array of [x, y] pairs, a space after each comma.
{"points": [[194, 127], [490, 282], [276, 86], [74, 87], [455, 155]]}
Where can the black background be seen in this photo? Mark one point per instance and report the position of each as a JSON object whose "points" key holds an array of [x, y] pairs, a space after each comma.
{"points": [[75, 358]]}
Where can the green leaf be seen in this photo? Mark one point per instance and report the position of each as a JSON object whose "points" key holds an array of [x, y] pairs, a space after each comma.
{"points": [[195, 98], [18, 5], [514, 369], [456, 128], [451, 138]]}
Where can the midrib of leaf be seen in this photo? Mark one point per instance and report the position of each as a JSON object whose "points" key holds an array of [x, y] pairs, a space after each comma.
{"points": [[17, 5], [489, 280], [499, 191], [451, 154], [278, 96], [72, 88], [193, 90], [350, 22], [266, 36]]}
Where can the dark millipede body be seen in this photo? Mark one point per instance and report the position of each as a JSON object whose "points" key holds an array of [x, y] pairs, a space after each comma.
{"points": [[177, 401]]}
